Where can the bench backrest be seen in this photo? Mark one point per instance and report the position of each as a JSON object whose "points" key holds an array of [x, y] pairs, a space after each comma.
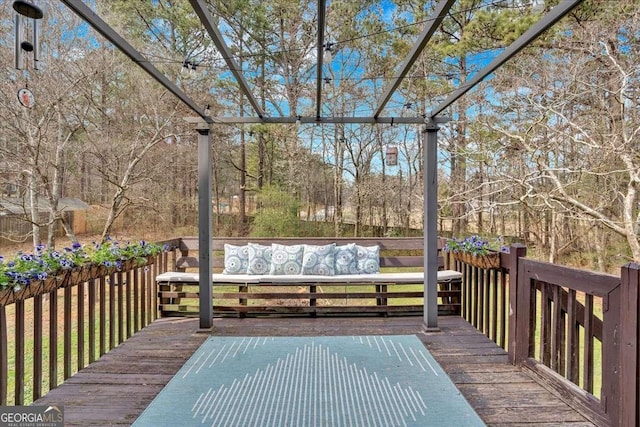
{"points": [[400, 252]]}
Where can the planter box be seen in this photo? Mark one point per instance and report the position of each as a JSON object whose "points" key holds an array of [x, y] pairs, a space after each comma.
{"points": [[488, 262], [63, 279], [37, 287]]}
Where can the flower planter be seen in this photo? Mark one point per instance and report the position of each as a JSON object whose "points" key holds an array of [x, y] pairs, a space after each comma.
{"points": [[132, 264], [94, 271], [36, 287], [53, 282], [488, 261], [60, 271], [6, 297], [65, 278]]}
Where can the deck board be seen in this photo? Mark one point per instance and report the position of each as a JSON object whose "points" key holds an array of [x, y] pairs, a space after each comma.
{"points": [[115, 389]]}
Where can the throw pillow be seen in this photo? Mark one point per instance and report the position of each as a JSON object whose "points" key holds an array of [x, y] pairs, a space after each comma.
{"points": [[259, 259], [368, 258], [236, 259], [319, 260], [345, 256], [286, 259]]}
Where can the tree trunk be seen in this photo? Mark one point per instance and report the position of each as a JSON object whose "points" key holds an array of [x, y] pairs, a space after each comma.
{"points": [[337, 182], [551, 226]]}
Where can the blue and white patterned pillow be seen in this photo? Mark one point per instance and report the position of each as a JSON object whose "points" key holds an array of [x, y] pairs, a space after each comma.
{"points": [[345, 257], [286, 259], [236, 259], [259, 259], [368, 259], [319, 260]]}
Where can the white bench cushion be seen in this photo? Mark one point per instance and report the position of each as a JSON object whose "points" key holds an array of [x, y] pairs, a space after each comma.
{"points": [[172, 276], [415, 277]]}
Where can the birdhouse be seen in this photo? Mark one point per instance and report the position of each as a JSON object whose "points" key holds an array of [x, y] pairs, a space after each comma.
{"points": [[392, 155]]}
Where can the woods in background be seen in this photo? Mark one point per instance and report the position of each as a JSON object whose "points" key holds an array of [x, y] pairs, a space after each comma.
{"points": [[545, 151]]}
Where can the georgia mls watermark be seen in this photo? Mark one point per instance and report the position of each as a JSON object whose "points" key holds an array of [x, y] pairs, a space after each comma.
{"points": [[31, 416]]}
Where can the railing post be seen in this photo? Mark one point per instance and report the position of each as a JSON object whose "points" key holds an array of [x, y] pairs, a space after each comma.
{"points": [[430, 227], [4, 359], [516, 251], [184, 252], [447, 259], [629, 410], [173, 258], [204, 226]]}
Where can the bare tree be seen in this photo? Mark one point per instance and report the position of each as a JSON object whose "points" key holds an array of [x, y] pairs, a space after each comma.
{"points": [[578, 126], [42, 135]]}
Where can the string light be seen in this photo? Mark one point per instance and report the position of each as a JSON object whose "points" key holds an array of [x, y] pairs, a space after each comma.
{"points": [[328, 46], [328, 53], [189, 67]]}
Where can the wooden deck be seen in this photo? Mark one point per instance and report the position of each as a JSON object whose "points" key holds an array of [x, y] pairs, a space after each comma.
{"points": [[115, 389]]}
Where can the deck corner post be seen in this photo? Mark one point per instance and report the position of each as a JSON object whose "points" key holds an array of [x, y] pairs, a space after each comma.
{"points": [[628, 412], [430, 226], [205, 233], [516, 251]]}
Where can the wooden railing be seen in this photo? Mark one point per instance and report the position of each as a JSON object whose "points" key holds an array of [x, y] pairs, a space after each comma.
{"points": [[46, 335], [485, 298], [576, 331]]}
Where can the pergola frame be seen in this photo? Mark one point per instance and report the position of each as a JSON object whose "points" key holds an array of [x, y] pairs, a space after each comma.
{"points": [[431, 122]]}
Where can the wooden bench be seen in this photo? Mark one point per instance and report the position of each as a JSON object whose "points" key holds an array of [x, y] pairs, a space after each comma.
{"points": [[398, 289]]}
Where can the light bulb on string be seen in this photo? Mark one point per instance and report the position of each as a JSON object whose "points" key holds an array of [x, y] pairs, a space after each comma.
{"points": [[185, 66], [328, 53]]}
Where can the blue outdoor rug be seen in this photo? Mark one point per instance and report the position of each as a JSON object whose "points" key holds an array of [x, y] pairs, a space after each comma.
{"points": [[310, 381]]}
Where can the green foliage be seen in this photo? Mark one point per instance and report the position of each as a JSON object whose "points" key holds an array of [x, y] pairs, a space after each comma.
{"points": [[475, 245], [316, 229], [169, 23], [277, 214], [24, 268], [112, 253]]}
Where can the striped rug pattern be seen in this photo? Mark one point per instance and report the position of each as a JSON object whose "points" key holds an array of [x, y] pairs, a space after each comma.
{"points": [[310, 381]]}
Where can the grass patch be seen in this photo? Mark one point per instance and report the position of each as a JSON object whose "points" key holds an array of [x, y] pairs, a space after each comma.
{"points": [[74, 339]]}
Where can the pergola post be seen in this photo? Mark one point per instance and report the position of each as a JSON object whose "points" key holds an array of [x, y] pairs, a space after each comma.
{"points": [[204, 226], [430, 226]]}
